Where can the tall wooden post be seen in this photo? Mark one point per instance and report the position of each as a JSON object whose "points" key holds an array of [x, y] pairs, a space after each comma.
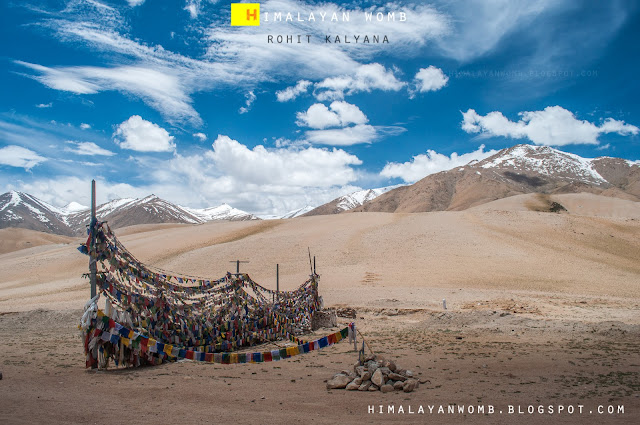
{"points": [[93, 266], [278, 279]]}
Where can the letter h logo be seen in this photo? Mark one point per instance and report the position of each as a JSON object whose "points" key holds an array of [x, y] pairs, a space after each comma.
{"points": [[245, 14]]}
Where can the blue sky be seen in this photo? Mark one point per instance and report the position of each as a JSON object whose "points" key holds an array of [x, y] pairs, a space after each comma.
{"points": [[167, 98]]}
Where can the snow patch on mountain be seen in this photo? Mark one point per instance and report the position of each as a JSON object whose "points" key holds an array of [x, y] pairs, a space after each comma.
{"points": [[355, 199]]}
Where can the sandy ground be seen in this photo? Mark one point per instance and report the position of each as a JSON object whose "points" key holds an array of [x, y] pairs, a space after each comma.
{"points": [[543, 308]]}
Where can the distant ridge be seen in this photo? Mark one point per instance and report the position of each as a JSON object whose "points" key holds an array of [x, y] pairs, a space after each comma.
{"points": [[21, 210], [517, 170]]}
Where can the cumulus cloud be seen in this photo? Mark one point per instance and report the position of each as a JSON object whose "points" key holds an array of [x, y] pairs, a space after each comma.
{"points": [[338, 114], [85, 126], [200, 136], [44, 105], [17, 156], [87, 148], [553, 126], [290, 93], [432, 162], [140, 135], [430, 79], [365, 79], [290, 167], [249, 97]]}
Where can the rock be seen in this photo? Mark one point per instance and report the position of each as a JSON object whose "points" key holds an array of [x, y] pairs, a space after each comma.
{"points": [[400, 371], [364, 386], [357, 381], [397, 377], [370, 358], [346, 372], [409, 385], [366, 376], [372, 365], [385, 370], [424, 380], [391, 366], [373, 388], [324, 319], [408, 374], [337, 382], [398, 385], [352, 386], [377, 378], [386, 388], [360, 370], [347, 312]]}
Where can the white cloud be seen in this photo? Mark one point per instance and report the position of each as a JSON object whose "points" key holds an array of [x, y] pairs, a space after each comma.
{"points": [[85, 126], [192, 8], [432, 162], [365, 79], [159, 87], [347, 136], [44, 105], [553, 126], [430, 79], [134, 3], [143, 136], [17, 156], [290, 93], [250, 97], [87, 148], [339, 114], [200, 136], [312, 167]]}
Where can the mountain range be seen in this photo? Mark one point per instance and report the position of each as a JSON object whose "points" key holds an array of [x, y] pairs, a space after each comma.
{"points": [[517, 170], [25, 211], [520, 169]]}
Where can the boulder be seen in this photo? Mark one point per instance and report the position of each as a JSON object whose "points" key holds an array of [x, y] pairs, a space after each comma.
{"points": [[377, 378], [338, 382], [385, 370], [364, 386], [366, 376], [324, 319], [397, 377], [360, 370], [408, 374], [392, 366], [409, 385], [372, 365], [386, 388], [398, 385], [352, 386], [373, 388]]}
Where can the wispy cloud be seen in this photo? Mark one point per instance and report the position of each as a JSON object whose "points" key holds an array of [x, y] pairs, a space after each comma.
{"points": [[87, 148]]}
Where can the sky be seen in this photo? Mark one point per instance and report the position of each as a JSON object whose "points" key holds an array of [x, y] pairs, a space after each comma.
{"points": [[166, 97]]}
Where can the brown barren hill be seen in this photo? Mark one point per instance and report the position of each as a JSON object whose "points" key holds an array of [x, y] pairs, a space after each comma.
{"points": [[518, 170]]}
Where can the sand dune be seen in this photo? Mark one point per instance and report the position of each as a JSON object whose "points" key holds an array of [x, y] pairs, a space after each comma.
{"points": [[499, 246]]}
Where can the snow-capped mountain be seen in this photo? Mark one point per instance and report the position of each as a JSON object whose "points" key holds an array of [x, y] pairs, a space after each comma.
{"points": [[22, 210], [517, 170], [221, 212], [350, 201]]}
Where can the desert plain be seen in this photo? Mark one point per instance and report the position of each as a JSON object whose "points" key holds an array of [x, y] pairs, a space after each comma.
{"points": [[543, 309]]}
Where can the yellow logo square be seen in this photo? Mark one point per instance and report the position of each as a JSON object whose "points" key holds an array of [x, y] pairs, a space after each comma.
{"points": [[245, 14]]}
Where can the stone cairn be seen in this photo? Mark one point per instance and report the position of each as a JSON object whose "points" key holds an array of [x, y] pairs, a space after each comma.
{"points": [[377, 374]]}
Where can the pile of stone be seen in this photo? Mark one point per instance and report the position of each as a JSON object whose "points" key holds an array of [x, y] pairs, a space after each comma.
{"points": [[376, 374]]}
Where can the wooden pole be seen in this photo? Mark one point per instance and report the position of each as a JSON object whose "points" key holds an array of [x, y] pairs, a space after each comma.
{"points": [[314, 264], [278, 279], [93, 266]]}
